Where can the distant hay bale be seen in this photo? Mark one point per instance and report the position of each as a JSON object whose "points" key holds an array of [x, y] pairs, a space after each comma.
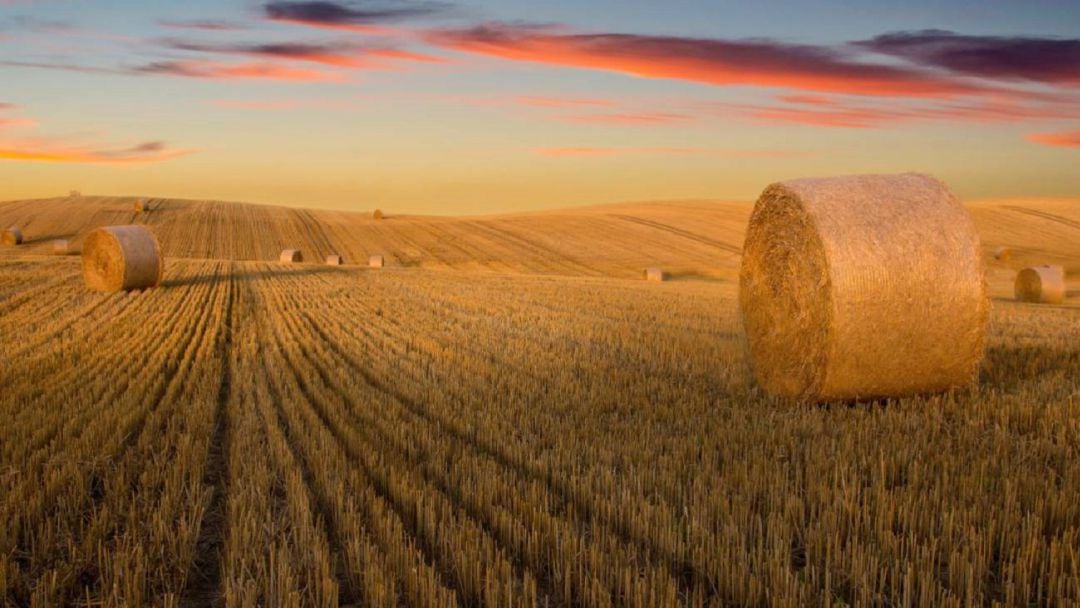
{"points": [[74, 194], [861, 287], [655, 274], [1041, 284], [334, 260], [377, 214], [142, 205], [290, 256], [13, 236], [1002, 254], [375, 261], [118, 258], [61, 247]]}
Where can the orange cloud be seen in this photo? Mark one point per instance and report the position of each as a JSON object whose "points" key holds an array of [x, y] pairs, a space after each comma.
{"points": [[216, 70], [1062, 139], [53, 151], [709, 61], [561, 102]]}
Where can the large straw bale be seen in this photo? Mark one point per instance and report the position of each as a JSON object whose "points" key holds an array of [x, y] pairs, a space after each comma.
{"points": [[655, 274], [375, 261], [118, 258], [1041, 284], [289, 256], [61, 247], [334, 260], [12, 236], [861, 287]]}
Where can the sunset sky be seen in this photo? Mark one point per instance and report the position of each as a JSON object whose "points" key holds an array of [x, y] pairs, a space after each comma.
{"points": [[509, 105]]}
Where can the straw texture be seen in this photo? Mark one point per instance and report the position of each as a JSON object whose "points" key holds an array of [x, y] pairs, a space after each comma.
{"points": [[1041, 284], [862, 287], [655, 274], [289, 256], [61, 247], [375, 261], [118, 258], [334, 260], [12, 236]]}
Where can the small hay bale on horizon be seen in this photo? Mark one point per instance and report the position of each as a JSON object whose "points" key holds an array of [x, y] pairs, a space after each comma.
{"points": [[850, 288], [1002, 254], [655, 274], [12, 236], [142, 205], [290, 256], [376, 261], [334, 260], [377, 214], [116, 258], [1041, 285], [74, 194], [61, 247]]}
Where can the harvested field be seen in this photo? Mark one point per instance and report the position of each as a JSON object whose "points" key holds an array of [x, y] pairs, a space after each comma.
{"points": [[507, 415]]}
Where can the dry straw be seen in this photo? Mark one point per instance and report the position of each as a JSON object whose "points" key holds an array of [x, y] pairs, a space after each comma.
{"points": [[1041, 284], [289, 256], [121, 257], [862, 286], [375, 261], [655, 274], [61, 247], [13, 236], [377, 214], [334, 260]]}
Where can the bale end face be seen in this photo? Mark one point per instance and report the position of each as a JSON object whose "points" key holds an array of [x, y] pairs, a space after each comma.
{"points": [[119, 258], [334, 260], [375, 261], [1041, 285], [61, 247], [12, 237], [849, 288], [291, 256]]}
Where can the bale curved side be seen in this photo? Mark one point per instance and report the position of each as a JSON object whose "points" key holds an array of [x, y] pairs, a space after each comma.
{"points": [[1041, 284], [851, 288], [118, 258], [655, 274], [289, 256], [13, 236]]}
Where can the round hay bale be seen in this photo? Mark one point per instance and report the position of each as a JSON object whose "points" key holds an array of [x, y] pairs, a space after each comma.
{"points": [[655, 274], [141, 205], [290, 256], [1041, 284], [375, 261], [61, 247], [862, 287], [377, 214], [334, 260], [118, 258], [13, 236], [1002, 254]]}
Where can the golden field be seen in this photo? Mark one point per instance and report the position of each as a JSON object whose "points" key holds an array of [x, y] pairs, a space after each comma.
{"points": [[506, 415]]}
